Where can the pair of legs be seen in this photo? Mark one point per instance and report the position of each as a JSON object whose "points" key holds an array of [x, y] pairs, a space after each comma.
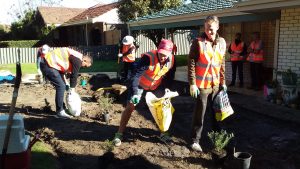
{"points": [[56, 79], [203, 103], [237, 65], [126, 114], [256, 70]]}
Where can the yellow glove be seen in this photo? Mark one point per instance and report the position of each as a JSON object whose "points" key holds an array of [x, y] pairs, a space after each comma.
{"points": [[194, 91]]}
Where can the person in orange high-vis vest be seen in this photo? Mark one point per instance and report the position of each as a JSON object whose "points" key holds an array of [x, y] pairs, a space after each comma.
{"points": [[148, 75], [256, 58], [128, 55], [237, 50], [206, 75], [58, 62]]}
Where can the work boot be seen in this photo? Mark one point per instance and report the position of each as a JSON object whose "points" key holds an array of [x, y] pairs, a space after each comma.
{"points": [[117, 139], [165, 138], [196, 147], [62, 114]]}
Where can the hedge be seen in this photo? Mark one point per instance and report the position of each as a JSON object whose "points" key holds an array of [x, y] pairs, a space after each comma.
{"points": [[18, 44]]}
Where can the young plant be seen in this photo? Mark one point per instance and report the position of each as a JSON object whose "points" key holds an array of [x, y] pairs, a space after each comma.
{"points": [[108, 146], [220, 139], [106, 103]]}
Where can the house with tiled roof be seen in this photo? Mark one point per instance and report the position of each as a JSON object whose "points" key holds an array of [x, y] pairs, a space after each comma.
{"points": [[278, 22], [97, 25], [57, 15]]}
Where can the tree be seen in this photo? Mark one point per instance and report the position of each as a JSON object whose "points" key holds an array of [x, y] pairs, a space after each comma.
{"points": [[27, 27], [130, 9]]}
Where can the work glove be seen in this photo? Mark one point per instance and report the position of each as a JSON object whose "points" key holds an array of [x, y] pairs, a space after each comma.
{"points": [[120, 55], [135, 99], [194, 91], [223, 87]]}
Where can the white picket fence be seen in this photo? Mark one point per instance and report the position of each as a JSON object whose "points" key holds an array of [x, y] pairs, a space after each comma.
{"points": [[12, 55]]}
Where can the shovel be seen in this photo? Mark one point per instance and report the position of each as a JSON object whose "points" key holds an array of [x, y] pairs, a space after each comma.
{"points": [[116, 88], [11, 110]]}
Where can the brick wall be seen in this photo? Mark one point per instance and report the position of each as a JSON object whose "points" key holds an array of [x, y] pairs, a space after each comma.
{"points": [[289, 40]]}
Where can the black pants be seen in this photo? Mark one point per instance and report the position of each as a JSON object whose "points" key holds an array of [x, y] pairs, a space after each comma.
{"points": [[237, 65], [56, 79], [256, 70], [127, 69], [203, 104]]}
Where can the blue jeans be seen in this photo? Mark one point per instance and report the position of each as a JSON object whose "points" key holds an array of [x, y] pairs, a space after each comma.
{"points": [[57, 81]]}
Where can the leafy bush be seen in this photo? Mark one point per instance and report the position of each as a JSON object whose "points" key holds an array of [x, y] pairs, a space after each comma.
{"points": [[18, 44], [220, 139]]}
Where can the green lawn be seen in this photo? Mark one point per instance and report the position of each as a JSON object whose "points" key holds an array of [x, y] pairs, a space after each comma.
{"points": [[27, 68], [42, 156], [98, 66]]}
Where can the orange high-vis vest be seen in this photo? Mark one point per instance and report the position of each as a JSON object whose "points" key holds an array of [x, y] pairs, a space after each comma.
{"points": [[129, 57], [59, 60], [152, 77], [208, 66], [256, 57], [236, 51]]}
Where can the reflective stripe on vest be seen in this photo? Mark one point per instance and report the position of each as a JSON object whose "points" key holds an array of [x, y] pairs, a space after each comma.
{"points": [[256, 57], [236, 51], [208, 65], [129, 57], [152, 77]]}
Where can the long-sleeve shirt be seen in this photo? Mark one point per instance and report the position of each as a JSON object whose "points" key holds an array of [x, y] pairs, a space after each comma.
{"points": [[193, 58], [237, 42], [139, 69], [76, 64]]}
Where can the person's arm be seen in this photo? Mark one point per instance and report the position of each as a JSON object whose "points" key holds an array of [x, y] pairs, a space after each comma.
{"points": [[131, 50], [76, 64], [138, 70], [222, 69], [192, 59]]}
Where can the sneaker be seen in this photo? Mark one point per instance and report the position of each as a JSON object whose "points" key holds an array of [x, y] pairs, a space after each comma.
{"points": [[117, 139], [62, 114], [196, 147], [165, 138]]}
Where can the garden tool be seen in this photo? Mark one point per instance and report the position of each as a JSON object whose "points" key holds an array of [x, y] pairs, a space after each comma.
{"points": [[116, 88], [11, 111]]}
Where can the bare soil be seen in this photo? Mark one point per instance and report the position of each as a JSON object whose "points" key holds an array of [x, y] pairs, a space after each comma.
{"points": [[83, 142]]}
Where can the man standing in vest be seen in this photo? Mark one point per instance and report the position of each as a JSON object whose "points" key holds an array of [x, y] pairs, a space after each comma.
{"points": [[237, 50], [128, 54], [148, 74], [206, 75], [256, 57], [58, 62]]}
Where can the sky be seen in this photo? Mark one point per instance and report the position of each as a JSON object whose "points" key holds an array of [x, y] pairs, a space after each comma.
{"points": [[6, 5]]}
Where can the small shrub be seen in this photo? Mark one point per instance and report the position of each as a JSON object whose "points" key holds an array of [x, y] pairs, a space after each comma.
{"points": [[108, 146], [106, 103], [220, 139]]}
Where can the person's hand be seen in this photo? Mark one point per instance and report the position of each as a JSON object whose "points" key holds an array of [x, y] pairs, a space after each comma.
{"points": [[135, 99], [194, 91], [223, 87], [120, 55]]}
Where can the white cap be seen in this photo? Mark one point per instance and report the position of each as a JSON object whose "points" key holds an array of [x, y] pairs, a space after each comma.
{"points": [[45, 49], [127, 40]]}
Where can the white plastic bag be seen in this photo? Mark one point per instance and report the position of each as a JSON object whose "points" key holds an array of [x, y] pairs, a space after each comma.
{"points": [[73, 103], [161, 108], [221, 106]]}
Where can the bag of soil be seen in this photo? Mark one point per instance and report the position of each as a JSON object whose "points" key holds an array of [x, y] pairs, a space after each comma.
{"points": [[161, 108], [221, 106], [73, 103]]}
